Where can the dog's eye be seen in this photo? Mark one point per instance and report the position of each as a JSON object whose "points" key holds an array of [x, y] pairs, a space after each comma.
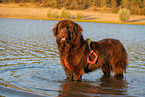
{"points": [[69, 28], [61, 28]]}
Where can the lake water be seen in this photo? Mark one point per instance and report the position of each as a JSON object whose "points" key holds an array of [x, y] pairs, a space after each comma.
{"points": [[30, 67]]}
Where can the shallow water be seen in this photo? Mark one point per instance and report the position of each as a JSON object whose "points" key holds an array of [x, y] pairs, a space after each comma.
{"points": [[29, 61]]}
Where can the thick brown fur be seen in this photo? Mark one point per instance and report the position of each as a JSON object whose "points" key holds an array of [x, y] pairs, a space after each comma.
{"points": [[112, 56]]}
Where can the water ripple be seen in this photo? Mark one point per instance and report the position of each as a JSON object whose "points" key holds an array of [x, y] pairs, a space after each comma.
{"points": [[29, 60]]}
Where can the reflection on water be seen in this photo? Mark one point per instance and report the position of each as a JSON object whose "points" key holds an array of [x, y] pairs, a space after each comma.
{"points": [[29, 61], [106, 86]]}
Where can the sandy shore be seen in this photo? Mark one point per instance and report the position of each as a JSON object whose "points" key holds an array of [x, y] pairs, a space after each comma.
{"points": [[90, 16]]}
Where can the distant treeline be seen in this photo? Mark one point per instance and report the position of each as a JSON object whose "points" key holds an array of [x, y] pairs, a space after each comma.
{"points": [[135, 6]]}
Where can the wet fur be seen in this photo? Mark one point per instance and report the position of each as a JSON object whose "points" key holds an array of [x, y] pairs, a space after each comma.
{"points": [[112, 56]]}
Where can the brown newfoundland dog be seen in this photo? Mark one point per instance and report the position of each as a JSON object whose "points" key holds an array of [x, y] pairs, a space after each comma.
{"points": [[109, 54]]}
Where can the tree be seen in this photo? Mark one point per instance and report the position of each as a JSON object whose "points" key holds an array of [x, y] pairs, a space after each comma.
{"points": [[98, 3], [103, 3], [118, 2], [125, 4], [144, 3], [113, 3], [135, 6]]}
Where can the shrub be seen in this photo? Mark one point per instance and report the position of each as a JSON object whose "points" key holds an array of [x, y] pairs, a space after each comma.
{"points": [[79, 15], [124, 14], [64, 13], [143, 11], [104, 8], [21, 4], [55, 14], [92, 8], [83, 15], [115, 10], [67, 14], [49, 13]]}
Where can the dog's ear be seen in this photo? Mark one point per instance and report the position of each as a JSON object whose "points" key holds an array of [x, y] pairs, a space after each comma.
{"points": [[77, 33], [78, 28], [55, 29]]}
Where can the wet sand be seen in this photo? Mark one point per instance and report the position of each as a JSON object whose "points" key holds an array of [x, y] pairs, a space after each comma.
{"points": [[10, 92]]}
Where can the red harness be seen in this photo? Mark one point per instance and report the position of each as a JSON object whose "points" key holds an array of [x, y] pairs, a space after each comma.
{"points": [[88, 56], [91, 52], [66, 63], [88, 59]]}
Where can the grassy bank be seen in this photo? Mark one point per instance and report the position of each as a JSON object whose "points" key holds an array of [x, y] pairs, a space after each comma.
{"points": [[34, 12]]}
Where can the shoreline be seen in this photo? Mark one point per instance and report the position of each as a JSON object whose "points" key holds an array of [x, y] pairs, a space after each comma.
{"points": [[29, 18], [40, 13]]}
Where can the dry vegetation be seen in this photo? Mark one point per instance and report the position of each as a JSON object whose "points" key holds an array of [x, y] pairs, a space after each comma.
{"points": [[31, 11]]}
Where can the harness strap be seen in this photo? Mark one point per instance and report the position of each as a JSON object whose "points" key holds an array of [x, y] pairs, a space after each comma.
{"points": [[90, 53], [89, 43], [66, 64]]}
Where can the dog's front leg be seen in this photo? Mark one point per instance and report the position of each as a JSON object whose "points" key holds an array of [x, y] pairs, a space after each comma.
{"points": [[69, 74], [77, 77]]}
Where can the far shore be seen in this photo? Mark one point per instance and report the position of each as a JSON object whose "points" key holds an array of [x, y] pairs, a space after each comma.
{"points": [[29, 12]]}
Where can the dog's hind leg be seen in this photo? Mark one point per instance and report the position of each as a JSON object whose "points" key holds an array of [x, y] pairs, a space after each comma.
{"points": [[118, 70], [118, 75]]}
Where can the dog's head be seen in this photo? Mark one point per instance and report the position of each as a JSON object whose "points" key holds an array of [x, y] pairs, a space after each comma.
{"points": [[67, 31]]}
